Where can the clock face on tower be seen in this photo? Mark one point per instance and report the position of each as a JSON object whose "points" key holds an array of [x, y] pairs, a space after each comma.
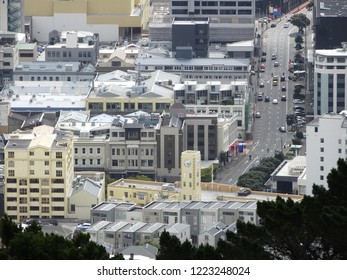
{"points": [[187, 163]]}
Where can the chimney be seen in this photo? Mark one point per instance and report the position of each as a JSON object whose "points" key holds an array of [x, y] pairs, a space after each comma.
{"points": [[344, 46]]}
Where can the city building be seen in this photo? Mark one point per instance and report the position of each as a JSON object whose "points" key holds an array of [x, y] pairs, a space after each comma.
{"points": [[119, 92], [11, 15], [327, 17], [45, 95], [73, 46], [193, 33], [190, 175], [53, 71], [38, 173], [229, 20], [215, 233], [330, 80], [286, 176], [327, 142], [87, 190], [197, 69], [111, 22]]}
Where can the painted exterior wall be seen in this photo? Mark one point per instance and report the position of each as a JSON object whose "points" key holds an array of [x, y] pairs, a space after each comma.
{"points": [[327, 136], [191, 175]]}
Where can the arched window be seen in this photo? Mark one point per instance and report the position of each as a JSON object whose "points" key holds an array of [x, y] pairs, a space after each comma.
{"points": [[69, 79], [45, 78], [39, 78], [57, 78], [51, 78], [33, 78], [21, 78]]}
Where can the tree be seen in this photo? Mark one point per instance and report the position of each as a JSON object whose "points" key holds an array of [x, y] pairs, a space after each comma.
{"points": [[300, 21], [299, 134], [254, 180], [8, 230], [299, 40], [290, 119]]}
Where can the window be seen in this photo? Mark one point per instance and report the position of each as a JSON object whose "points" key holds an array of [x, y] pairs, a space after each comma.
{"points": [[46, 172], [83, 150], [98, 150], [90, 150], [10, 163], [76, 150], [10, 155], [31, 162], [321, 158], [59, 173], [59, 164], [73, 208], [11, 173], [339, 151], [32, 172], [31, 153], [59, 155], [316, 129], [322, 150], [321, 177], [46, 163], [322, 140], [322, 168], [23, 191], [339, 141]]}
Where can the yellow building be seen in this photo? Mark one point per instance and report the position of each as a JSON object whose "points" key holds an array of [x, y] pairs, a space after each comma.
{"points": [[38, 172], [190, 175], [141, 192], [122, 17]]}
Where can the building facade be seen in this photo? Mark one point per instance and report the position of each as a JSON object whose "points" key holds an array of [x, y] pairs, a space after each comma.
{"points": [[190, 175], [112, 22], [38, 173], [230, 20], [327, 138], [330, 81]]}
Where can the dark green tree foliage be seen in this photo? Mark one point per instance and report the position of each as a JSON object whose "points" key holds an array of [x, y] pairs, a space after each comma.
{"points": [[170, 247], [280, 156], [8, 229], [252, 179], [32, 244], [300, 21]]}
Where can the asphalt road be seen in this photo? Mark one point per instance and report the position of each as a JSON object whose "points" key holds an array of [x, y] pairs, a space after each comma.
{"points": [[266, 135]]}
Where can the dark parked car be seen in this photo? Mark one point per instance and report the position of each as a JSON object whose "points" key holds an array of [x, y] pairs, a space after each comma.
{"points": [[263, 53], [273, 25], [283, 78], [267, 98], [263, 59]]}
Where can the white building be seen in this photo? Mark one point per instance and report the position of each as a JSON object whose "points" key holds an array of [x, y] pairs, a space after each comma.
{"points": [[327, 142], [330, 80]]}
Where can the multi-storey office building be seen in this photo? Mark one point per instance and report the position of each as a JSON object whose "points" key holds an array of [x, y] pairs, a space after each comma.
{"points": [[8, 55], [38, 173], [327, 138], [112, 22], [197, 69], [230, 20], [330, 81], [74, 48], [53, 71]]}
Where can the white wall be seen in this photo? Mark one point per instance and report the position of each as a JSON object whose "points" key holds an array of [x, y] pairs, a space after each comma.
{"points": [[71, 22]]}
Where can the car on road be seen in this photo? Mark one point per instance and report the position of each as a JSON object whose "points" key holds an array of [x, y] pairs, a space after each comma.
{"points": [[263, 53], [257, 115], [275, 101], [252, 72], [267, 98], [299, 108], [274, 82], [261, 85], [283, 78], [276, 64], [273, 25], [260, 97], [303, 114], [273, 57], [282, 129], [298, 101], [283, 98], [283, 88], [263, 59], [286, 25]]}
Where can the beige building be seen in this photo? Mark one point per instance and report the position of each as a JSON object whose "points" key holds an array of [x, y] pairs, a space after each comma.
{"points": [[112, 20], [190, 175], [38, 172], [141, 192]]}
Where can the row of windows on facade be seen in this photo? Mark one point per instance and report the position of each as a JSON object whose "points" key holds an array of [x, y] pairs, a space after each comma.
{"points": [[339, 141], [58, 164], [58, 173], [44, 78], [200, 68], [32, 153], [68, 54], [330, 59], [24, 209], [127, 106], [44, 200], [44, 182], [118, 151], [213, 12], [214, 3], [127, 195]]}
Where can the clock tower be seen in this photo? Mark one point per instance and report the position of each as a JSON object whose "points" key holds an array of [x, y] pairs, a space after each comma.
{"points": [[190, 175]]}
